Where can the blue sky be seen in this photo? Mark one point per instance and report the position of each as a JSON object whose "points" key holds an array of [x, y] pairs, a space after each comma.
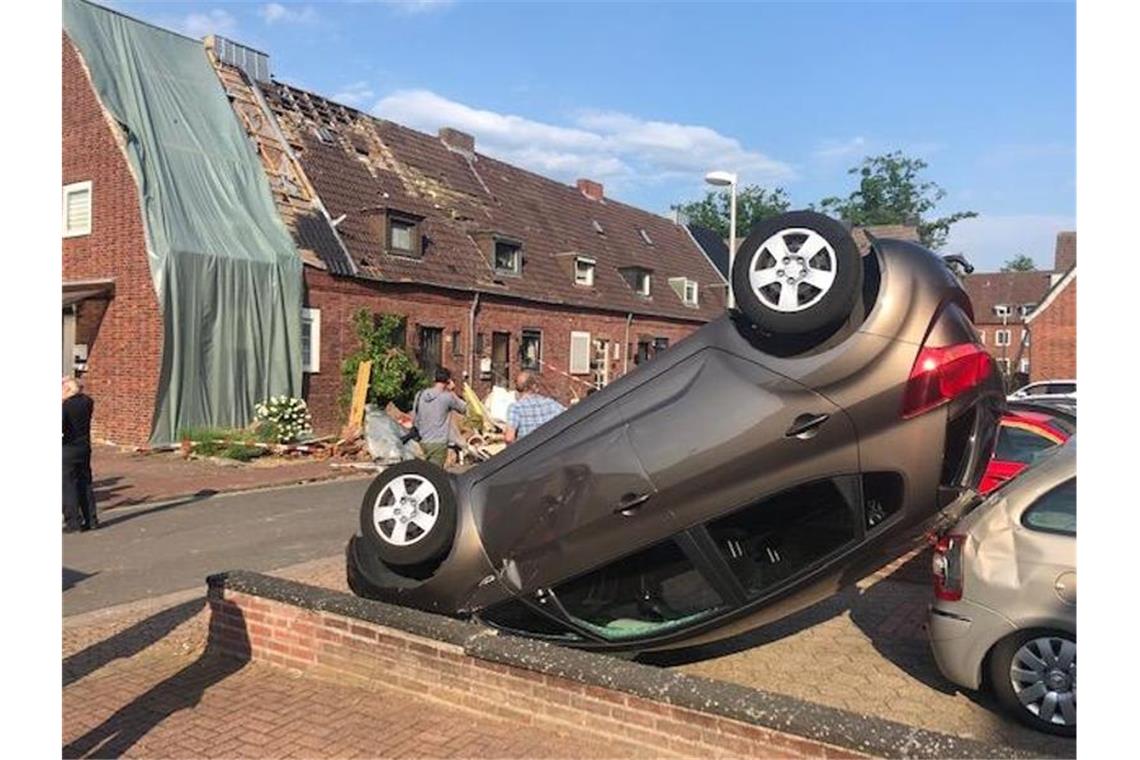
{"points": [[647, 97]]}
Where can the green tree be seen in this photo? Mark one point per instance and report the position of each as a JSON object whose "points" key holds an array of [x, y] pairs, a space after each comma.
{"points": [[753, 203], [891, 191], [1020, 263], [395, 375]]}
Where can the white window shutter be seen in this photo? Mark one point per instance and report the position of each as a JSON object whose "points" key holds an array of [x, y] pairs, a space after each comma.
{"points": [[77, 209], [311, 340], [579, 353]]}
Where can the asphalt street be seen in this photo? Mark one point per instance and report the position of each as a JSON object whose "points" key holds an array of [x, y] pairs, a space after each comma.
{"points": [[156, 549]]}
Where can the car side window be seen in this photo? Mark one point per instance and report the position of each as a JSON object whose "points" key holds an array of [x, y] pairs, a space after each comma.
{"points": [[645, 594], [778, 537], [1055, 511], [1016, 444]]}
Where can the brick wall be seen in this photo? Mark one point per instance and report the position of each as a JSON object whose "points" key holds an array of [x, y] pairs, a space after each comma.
{"points": [[988, 332], [124, 355], [1054, 338], [339, 298], [362, 653]]}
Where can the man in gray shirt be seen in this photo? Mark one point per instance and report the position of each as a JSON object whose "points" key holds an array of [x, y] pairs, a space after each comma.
{"points": [[431, 414]]}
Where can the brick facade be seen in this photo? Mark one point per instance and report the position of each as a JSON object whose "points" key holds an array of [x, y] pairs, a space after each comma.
{"points": [[124, 336], [1054, 337], [338, 298]]}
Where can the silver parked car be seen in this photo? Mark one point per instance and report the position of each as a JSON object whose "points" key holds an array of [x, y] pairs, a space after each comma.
{"points": [[1005, 586]]}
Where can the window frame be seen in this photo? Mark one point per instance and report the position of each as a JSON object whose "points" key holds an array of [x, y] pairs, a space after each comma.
{"points": [[74, 188], [531, 332], [592, 270], [1007, 334], [578, 368], [518, 256], [1027, 512], [312, 363], [632, 273], [416, 251]]}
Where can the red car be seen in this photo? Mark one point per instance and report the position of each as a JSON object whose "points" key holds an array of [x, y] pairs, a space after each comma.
{"points": [[1022, 435]]}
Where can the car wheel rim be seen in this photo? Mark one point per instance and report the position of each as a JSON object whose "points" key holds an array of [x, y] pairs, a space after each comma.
{"points": [[406, 510], [792, 270], [1044, 678]]}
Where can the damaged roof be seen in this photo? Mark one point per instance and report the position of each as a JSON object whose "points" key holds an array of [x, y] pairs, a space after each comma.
{"points": [[363, 168]]}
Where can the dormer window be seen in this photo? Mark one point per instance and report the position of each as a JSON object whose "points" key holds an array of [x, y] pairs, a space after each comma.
{"points": [[1002, 310], [508, 257], [402, 235], [645, 236], [638, 279], [1026, 309], [584, 271], [686, 289]]}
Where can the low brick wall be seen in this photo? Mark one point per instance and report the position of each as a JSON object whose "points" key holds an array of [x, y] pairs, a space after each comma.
{"points": [[338, 636]]}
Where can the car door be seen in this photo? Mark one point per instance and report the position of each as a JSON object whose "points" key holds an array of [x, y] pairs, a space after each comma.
{"points": [[1046, 554], [569, 503], [719, 431]]}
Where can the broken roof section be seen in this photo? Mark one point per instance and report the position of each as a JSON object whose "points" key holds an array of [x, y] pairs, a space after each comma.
{"points": [[367, 171]]}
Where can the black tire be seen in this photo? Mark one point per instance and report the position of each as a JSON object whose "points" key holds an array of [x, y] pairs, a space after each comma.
{"points": [[815, 310], [420, 546], [1001, 660]]}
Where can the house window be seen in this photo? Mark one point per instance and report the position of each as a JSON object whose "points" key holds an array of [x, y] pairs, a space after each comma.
{"points": [[1023, 366], [311, 340], [1001, 337], [579, 353], [530, 350], [1002, 310], [659, 345], [584, 272], [1026, 309], [508, 257], [644, 351], [77, 209], [982, 337], [638, 279], [1003, 362], [686, 289], [431, 349], [456, 343], [404, 237]]}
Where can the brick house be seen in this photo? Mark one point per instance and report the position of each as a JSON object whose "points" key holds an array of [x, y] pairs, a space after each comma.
{"points": [[1004, 305], [493, 268], [1054, 323]]}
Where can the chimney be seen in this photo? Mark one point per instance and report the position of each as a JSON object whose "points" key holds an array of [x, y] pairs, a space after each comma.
{"points": [[591, 189], [1065, 255], [253, 62], [460, 142]]}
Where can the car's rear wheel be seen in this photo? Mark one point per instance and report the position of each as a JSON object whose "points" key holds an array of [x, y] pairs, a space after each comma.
{"points": [[408, 515], [1034, 675], [797, 274]]}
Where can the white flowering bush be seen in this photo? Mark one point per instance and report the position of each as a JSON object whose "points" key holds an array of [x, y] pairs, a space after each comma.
{"points": [[283, 419]]}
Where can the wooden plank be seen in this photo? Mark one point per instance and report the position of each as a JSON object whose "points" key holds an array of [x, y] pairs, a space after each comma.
{"points": [[359, 394]]}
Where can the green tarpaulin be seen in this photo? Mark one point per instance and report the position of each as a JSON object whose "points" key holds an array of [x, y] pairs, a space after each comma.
{"points": [[226, 272]]}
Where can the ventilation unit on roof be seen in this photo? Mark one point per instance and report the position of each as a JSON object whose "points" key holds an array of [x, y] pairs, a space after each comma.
{"points": [[598, 228], [645, 237], [253, 62]]}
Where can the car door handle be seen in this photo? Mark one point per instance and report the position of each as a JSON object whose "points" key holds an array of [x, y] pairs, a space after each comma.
{"points": [[631, 502], [806, 425]]}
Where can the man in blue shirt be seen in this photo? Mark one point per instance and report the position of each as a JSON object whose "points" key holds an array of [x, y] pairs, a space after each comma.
{"points": [[530, 410]]}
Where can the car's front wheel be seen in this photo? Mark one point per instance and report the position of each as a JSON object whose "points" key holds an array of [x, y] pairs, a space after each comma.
{"points": [[1034, 675], [797, 274], [408, 515]]}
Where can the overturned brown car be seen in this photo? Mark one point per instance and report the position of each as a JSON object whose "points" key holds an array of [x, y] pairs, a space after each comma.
{"points": [[813, 433]]}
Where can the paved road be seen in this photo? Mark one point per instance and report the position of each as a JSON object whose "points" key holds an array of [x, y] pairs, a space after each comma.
{"points": [[157, 549]]}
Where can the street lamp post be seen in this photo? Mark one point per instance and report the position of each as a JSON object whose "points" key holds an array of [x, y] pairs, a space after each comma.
{"points": [[728, 179]]}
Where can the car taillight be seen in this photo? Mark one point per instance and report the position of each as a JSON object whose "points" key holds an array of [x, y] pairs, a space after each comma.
{"points": [[941, 374], [947, 567]]}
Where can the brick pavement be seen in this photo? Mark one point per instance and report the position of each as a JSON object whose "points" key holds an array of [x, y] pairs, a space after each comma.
{"points": [[124, 477]]}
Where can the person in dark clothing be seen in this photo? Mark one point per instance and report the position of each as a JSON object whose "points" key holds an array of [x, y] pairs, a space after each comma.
{"points": [[78, 489]]}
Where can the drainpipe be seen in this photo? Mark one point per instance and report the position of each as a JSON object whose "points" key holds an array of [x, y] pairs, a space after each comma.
{"points": [[625, 348], [471, 339]]}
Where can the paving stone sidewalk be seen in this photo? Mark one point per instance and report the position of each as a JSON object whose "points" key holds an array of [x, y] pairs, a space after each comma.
{"points": [[124, 477], [139, 682]]}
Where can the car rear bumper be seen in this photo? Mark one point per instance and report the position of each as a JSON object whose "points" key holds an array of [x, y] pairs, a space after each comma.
{"points": [[961, 633]]}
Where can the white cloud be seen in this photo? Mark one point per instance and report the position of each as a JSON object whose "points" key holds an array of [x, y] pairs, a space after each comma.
{"points": [[273, 13], [989, 240], [599, 145], [216, 21], [856, 148], [355, 94]]}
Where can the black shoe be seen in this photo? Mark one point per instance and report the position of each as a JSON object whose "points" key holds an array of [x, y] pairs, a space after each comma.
{"points": [[71, 528]]}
